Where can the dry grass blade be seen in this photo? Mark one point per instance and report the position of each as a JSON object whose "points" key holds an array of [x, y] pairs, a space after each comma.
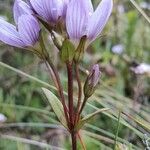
{"points": [[29, 141], [140, 10]]}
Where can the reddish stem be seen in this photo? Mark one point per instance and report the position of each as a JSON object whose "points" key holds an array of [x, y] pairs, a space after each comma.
{"points": [[74, 140], [79, 92], [70, 94], [83, 105], [59, 87]]}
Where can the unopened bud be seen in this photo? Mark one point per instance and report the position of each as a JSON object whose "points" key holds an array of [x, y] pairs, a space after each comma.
{"points": [[92, 81]]}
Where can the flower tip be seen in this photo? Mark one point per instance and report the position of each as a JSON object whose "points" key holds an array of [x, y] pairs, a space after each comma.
{"points": [[28, 28], [95, 74], [92, 80]]}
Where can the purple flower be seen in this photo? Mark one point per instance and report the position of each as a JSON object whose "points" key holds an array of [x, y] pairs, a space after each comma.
{"points": [[27, 31], [50, 10], [82, 20], [21, 8]]}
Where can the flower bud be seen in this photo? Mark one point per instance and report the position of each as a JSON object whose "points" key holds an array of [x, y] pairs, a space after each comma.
{"points": [[92, 81]]}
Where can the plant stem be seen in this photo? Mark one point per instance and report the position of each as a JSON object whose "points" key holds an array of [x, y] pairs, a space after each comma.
{"points": [[51, 74], [83, 104], [79, 91], [59, 87], [70, 94], [74, 140]]}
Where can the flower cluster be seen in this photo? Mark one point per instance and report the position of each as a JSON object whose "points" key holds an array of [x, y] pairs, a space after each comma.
{"points": [[73, 25], [78, 17]]}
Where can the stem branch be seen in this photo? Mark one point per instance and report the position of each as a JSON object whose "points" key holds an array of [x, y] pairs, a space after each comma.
{"points": [[79, 91], [59, 87], [83, 104]]}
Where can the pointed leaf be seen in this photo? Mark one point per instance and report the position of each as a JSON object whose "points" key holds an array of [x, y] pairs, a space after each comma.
{"points": [[56, 106], [83, 121]]}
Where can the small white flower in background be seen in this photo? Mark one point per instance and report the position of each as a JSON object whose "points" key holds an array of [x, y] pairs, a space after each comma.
{"points": [[118, 49], [143, 68], [121, 9], [2, 118], [145, 5]]}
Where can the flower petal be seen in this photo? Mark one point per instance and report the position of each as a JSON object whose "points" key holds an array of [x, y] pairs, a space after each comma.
{"points": [[50, 10], [99, 19], [64, 8], [28, 28], [78, 12], [9, 34], [20, 8]]}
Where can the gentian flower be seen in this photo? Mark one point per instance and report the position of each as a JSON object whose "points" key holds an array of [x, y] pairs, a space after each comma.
{"points": [[50, 10], [81, 19], [26, 33]]}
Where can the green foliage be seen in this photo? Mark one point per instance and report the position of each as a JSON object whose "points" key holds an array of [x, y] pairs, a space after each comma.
{"points": [[56, 105], [29, 116], [87, 118]]}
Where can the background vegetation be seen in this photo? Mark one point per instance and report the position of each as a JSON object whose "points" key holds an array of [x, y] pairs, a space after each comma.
{"points": [[31, 124]]}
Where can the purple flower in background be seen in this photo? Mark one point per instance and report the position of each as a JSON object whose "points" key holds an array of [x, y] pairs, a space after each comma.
{"points": [[141, 69], [81, 19], [118, 49], [50, 10], [27, 31]]}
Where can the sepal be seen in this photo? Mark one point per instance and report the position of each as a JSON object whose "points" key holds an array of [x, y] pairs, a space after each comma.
{"points": [[67, 52], [80, 49]]}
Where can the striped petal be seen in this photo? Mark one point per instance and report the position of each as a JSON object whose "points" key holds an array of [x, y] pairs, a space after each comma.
{"points": [[9, 34], [20, 8], [78, 13], [99, 19], [64, 8], [50, 10], [28, 28]]}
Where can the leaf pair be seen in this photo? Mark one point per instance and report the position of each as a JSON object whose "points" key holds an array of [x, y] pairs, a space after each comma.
{"points": [[58, 110]]}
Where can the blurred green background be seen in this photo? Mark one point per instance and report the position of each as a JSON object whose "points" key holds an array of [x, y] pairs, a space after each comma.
{"points": [[124, 44]]}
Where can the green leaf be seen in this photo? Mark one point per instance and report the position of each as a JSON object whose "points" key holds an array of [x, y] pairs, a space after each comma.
{"points": [[56, 106], [67, 52], [83, 121]]}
